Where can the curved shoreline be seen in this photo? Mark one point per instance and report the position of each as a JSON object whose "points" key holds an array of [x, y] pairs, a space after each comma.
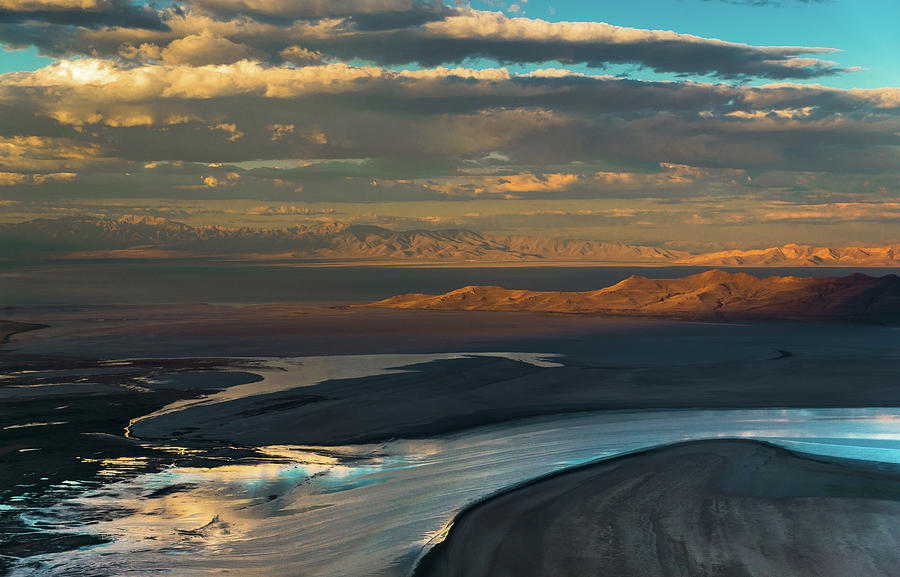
{"points": [[730, 507]]}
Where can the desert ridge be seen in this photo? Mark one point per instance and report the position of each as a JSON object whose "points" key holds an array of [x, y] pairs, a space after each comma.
{"points": [[714, 293]]}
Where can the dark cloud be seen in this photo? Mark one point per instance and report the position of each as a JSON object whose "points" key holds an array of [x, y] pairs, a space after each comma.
{"points": [[120, 13], [288, 10], [360, 14], [730, 61]]}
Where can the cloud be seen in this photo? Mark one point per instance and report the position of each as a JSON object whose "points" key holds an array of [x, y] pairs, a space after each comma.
{"points": [[42, 153], [581, 183], [300, 56], [279, 131], [231, 129], [508, 185], [18, 178], [518, 39], [428, 34], [488, 130], [204, 48], [288, 210], [339, 111], [79, 13], [315, 9], [227, 179], [832, 212]]}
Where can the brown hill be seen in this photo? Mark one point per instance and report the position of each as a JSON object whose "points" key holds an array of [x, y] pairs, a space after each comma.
{"points": [[716, 294]]}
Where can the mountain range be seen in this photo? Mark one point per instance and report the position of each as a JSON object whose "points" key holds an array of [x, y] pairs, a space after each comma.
{"points": [[712, 294], [143, 236]]}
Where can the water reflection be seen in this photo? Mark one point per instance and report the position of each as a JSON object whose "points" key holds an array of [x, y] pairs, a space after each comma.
{"points": [[372, 510]]}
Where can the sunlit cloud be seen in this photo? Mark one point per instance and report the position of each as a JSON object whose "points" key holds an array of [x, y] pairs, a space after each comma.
{"points": [[18, 178]]}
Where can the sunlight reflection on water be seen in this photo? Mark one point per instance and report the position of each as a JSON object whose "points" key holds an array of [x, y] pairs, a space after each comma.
{"points": [[372, 509]]}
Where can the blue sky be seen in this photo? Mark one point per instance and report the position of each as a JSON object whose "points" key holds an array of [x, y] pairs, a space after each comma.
{"points": [[867, 31], [27, 59]]}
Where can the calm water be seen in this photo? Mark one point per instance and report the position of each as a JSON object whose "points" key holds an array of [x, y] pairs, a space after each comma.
{"points": [[149, 282]]}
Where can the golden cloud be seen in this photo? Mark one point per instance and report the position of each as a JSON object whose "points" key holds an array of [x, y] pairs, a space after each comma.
{"points": [[41, 5], [227, 179], [18, 178], [45, 153]]}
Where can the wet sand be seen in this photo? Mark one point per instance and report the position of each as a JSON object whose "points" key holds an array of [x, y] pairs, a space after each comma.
{"points": [[725, 508]]}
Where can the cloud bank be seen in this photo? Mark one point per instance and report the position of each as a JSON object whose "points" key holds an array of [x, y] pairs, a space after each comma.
{"points": [[386, 33], [422, 103]]}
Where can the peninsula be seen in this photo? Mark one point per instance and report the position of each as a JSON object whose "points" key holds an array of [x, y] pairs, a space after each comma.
{"points": [[711, 294]]}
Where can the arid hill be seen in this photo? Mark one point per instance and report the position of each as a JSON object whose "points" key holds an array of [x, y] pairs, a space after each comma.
{"points": [[712, 294]]}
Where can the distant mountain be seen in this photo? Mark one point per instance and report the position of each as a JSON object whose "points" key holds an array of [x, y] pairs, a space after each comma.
{"points": [[799, 255], [143, 236], [130, 236], [712, 294]]}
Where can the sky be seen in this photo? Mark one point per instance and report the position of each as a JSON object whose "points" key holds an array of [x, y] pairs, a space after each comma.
{"points": [[680, 123]]}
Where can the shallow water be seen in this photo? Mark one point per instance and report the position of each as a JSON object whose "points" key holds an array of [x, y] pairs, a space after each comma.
{"points": [[374, 509]]}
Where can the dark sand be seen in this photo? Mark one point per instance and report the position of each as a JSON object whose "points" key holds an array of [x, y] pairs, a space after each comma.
{"points": [[728, 508]]}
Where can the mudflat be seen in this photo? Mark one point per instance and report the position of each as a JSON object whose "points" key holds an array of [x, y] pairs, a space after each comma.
{"points": [[70, 388], [724, 508], [603, 364]]}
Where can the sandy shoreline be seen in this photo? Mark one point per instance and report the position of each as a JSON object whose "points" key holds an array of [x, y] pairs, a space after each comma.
{"points": [[724, 508]]}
